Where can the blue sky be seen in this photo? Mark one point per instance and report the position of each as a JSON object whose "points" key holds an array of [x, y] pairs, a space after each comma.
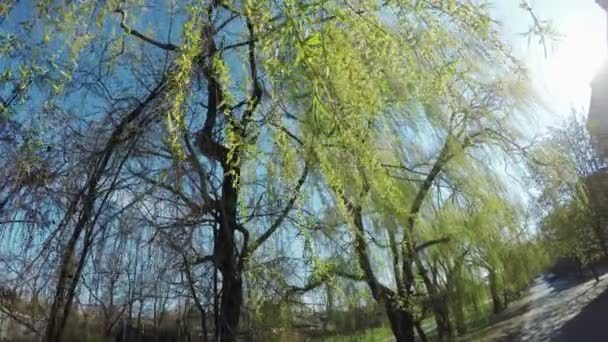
{"points": [[562, 77]]}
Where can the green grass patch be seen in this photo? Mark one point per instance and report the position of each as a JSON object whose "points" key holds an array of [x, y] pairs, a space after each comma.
{"points": [[371, 335]]}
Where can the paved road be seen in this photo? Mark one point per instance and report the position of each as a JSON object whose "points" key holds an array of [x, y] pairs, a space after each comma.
{"points": [[556, 311], [554, 306], [590, 325]]}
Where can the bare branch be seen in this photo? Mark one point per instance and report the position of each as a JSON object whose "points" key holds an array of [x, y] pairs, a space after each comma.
{"points": [[277, 223], [430, 243], [128, 30]]}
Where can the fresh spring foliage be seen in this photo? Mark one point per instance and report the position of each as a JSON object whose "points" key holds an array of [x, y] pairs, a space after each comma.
{"points": [[221, 159]]}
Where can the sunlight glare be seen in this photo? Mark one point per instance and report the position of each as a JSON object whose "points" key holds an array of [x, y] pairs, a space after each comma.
{"points": [[577, 58]]}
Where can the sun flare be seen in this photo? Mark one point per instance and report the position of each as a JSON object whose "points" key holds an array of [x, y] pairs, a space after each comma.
{"points": [[579, 55]]}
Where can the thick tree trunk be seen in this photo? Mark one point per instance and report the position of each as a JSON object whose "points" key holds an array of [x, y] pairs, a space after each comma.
{"points": [[230, 310], [402, 323], [226, 257]]}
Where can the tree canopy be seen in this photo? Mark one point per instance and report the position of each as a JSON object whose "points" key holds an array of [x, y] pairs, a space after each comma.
{"points": [[219, 159]]}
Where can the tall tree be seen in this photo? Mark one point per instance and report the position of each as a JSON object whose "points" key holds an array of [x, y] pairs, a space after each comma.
{"points": [[206, 120]]}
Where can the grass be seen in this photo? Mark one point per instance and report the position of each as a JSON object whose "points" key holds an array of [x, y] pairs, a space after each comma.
{"points": [[372, 335]]}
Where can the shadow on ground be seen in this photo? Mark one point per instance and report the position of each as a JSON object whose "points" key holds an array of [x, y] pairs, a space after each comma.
{"points": [[559, 303], [561, 284], [590, 325], [555, 309]]}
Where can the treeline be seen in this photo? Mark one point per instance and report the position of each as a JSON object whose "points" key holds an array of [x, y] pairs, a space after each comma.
{"points": [[573, 200], [216, 170]]}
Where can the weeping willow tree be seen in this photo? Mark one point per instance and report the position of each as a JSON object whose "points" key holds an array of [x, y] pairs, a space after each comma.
{"points": [[218, 111], [179, 125], [490, 256], [408, 148], [407, 144]]}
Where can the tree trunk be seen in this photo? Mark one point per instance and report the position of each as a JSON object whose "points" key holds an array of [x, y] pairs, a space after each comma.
{"points": [[402, 323], [594, 272], [420, 332], [579, 266], [445, 332], [230, 310], [439, 305], [461, 326], [598, 225], [67, 283], [401, 320], [496, 302], [139, 316], [226, 258]]}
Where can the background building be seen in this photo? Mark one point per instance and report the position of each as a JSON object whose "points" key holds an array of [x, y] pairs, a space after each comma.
{"points": [[597, 121]]}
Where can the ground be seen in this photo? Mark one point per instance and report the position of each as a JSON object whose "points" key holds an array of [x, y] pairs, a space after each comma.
{"points": [[555, 310]]}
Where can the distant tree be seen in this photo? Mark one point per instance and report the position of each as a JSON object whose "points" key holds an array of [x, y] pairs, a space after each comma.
{"points": [[571, 179]]}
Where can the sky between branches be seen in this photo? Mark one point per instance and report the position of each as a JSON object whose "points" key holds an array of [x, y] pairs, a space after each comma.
{"points": [[562, 77]]}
